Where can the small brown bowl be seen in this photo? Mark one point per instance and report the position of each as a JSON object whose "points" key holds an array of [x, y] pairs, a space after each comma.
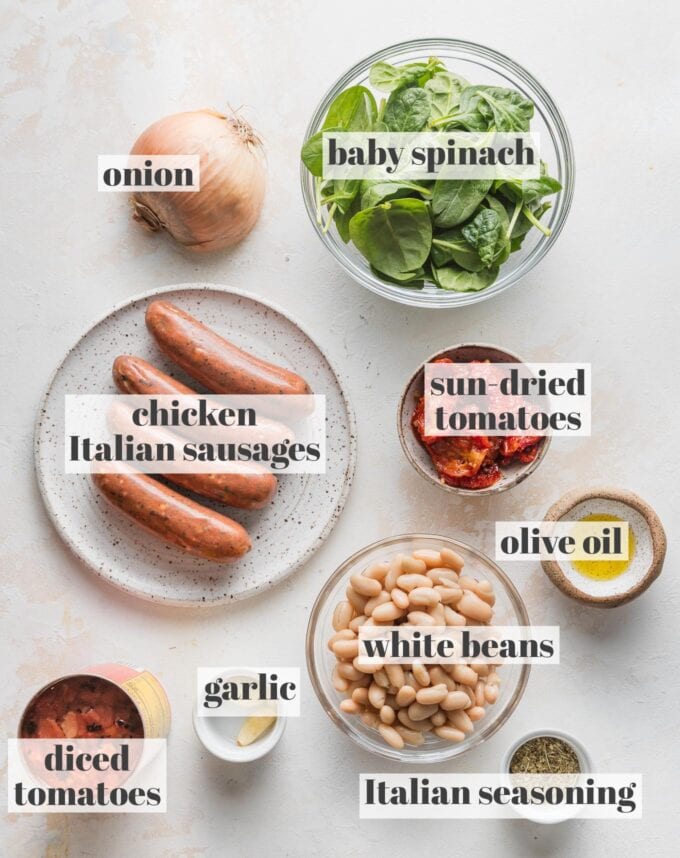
{"points": [[650, 549], [415, 452]]}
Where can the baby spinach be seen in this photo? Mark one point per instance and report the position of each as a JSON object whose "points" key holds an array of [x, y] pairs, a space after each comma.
{"points": [[454, 200], [451, 232], [312, 152], [456, 279], [342, 218], [484, 234], [412, 279], [353, 110], [389, 78], [395, 237], [445, 90], [374, 193], [451, 246], [407, 109]]}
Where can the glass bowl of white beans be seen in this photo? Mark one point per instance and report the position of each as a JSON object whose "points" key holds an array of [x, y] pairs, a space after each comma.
{"points": [[392, 712]]}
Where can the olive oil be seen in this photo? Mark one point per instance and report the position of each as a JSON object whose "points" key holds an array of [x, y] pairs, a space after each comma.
{"points": [[605, 570]]}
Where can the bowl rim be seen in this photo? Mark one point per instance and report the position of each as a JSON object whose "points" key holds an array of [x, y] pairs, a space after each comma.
{"points": [[520, 475], [441, 299], [566, 503], [330, 707]]}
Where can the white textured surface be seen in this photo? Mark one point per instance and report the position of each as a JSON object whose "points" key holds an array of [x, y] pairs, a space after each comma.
{"points": [[81, 79]]}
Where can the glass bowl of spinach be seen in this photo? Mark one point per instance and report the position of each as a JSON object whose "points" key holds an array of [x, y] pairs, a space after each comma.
{"points": [[443, 243]]}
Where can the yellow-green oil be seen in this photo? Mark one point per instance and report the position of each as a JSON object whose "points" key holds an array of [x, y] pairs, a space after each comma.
{"points": [[605, 570]]}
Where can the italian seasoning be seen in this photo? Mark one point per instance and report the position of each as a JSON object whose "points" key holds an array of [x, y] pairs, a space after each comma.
{"points": [[545, 755]]}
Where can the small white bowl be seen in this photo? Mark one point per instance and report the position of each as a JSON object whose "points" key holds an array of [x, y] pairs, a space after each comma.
{"points": [[218, 733], [584, 759]]}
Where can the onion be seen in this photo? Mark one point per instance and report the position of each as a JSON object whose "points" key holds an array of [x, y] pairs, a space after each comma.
{"points": [[229, 201]]}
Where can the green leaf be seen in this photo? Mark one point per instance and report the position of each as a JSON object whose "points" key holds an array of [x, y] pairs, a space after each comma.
{"points": [[312, 152], [412, 279], [389, 78], [505, 109], [484, 234], [354, 109], [445, 89], [407, 109], [342, 219], [395, 237], [375, 192], [453, 278], [523, 224], [529, 191], [451, 246], [455, 200]]}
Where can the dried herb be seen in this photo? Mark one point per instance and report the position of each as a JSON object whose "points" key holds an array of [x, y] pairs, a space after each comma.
{"points": [[545, 755]]}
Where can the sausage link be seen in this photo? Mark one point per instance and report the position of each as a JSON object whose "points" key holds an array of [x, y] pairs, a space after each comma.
{"points": [[133, 375], [213, 361], [174, 518]]}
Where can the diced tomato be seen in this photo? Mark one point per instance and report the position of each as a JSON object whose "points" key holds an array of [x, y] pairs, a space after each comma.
{"points": [[49, 729], [74, 725], [487, 476], [516, 444], [456, 457], [105, 715]]}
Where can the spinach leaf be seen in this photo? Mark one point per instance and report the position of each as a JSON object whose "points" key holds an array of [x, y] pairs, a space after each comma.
{"points": [[342, 218], [454, 200], [395, 237], [484, 234], [451, 246], [482, 108], [312, 152], [344, 192], [503, 245], [375, 192], [505, 109], [389, 78], [445, 89], [523, 224], [354, 109], [529, 191], [412, 279], [456, 279], [407, 109]]}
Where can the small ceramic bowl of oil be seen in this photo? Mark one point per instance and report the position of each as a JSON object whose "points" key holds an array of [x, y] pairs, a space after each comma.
{"points": [[607, 583]]}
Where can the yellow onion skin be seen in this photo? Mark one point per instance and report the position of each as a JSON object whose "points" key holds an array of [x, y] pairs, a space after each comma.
{"points": [[229, 201]]}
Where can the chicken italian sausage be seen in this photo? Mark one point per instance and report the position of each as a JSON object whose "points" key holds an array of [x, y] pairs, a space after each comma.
{"points": [[213, 361], [172, 517], [252, 489]]}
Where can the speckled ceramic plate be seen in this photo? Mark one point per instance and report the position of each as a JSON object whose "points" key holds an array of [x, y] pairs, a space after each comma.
{"points": [[284, 534]]}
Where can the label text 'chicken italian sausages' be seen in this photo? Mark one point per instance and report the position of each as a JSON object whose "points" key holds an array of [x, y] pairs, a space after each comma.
{"points": [[192, 434]]}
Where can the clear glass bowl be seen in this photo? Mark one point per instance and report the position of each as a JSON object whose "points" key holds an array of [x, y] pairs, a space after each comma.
{"points": [[508, 610], [479, 65]]}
